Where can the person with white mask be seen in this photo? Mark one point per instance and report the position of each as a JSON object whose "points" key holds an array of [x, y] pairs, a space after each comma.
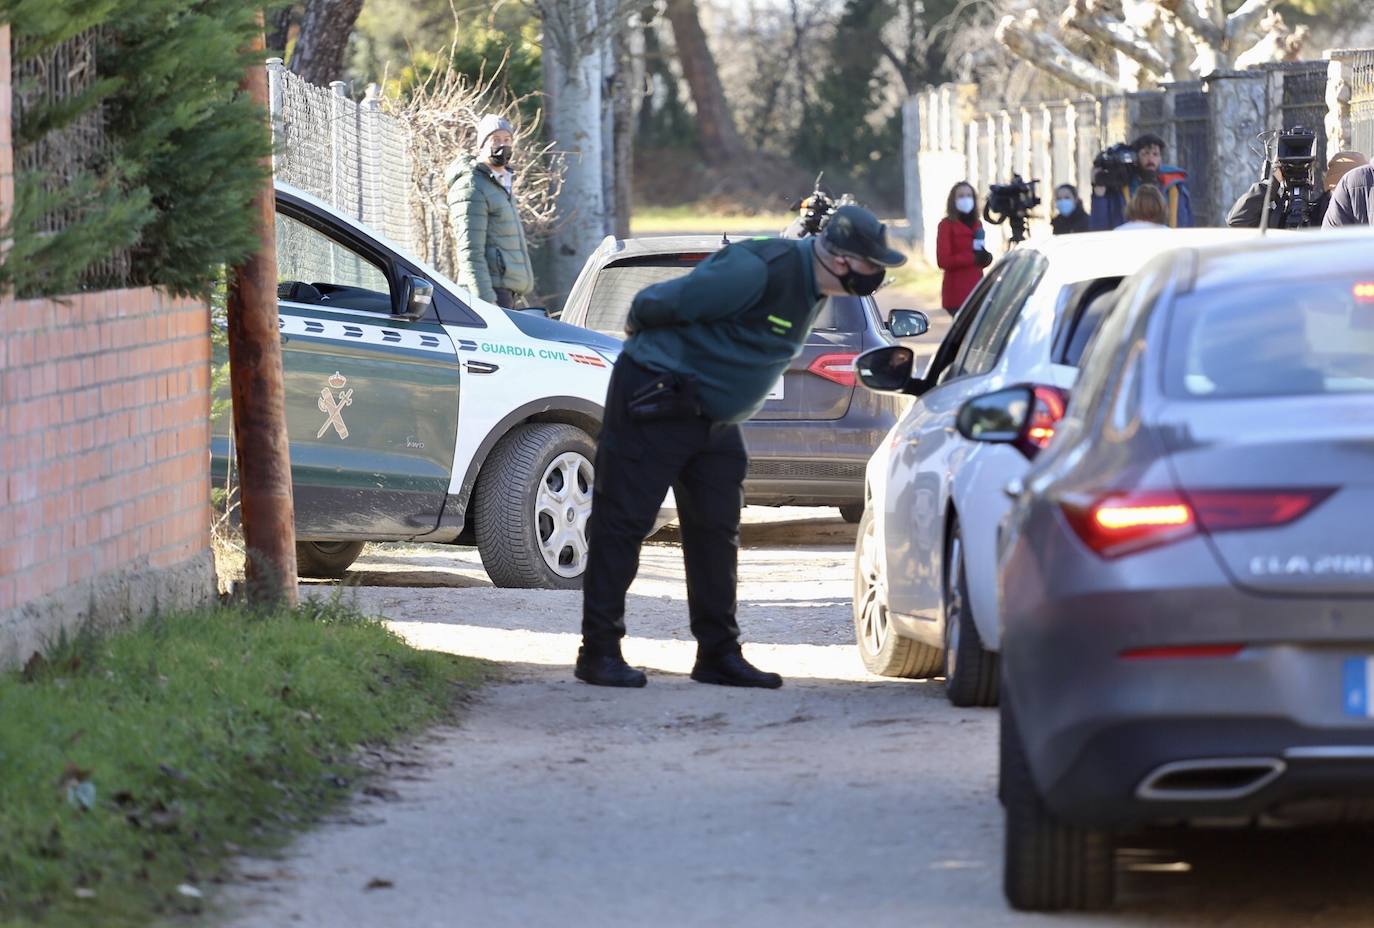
{"points": [[960, 247], [1069, 214]]}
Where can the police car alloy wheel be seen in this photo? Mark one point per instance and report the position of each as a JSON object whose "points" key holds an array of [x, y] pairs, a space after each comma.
{"points": [[534, 497]]}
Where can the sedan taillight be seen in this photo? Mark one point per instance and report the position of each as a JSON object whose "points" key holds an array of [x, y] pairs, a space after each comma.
{"points": [[1126, 523], [837, 368]]}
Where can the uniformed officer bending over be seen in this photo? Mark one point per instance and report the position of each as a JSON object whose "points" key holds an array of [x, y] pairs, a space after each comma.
{"points": [[703, 353]]}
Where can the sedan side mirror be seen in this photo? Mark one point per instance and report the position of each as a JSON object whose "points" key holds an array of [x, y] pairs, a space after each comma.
{"points": [[887, 369], [416, 296], [908, 323], [998, 417]]}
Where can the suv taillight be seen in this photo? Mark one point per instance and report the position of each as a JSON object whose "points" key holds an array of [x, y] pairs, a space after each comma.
{"points": [[837, 368], [1124, 524]]}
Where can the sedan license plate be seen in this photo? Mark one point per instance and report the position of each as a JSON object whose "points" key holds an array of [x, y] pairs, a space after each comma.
{"points": [[776, 392], [1357, 681]]}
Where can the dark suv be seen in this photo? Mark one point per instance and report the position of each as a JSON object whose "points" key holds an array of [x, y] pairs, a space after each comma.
{"points": [[810, 442]]}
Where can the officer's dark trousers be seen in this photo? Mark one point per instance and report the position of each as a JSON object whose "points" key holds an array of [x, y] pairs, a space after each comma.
{"points": [[636, 463]]}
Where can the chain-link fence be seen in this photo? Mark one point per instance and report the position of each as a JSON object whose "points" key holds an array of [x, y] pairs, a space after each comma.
{"points": [[349, 154], [55, 159]]}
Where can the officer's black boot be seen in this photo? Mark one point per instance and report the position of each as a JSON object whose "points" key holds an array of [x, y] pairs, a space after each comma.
{"points": [[603, 666], [729, 668]]}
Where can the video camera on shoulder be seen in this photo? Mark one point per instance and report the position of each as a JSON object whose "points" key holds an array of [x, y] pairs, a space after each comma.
{"points": [[1115, 167], [1294, 150], [1011, 202], [814, 210]]}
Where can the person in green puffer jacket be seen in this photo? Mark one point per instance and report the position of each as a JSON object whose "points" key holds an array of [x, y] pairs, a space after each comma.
{"points": [[493, 259]]}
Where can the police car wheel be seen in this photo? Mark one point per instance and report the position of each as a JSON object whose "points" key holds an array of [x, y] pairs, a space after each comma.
{"points": [[326, 560], [533, 501]]}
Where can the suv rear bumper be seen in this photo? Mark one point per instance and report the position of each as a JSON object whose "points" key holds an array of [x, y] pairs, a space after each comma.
{"points": [[804, 462]]}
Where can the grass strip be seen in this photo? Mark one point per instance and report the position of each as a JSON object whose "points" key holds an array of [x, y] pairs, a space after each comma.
{"points": [[133, 766]]}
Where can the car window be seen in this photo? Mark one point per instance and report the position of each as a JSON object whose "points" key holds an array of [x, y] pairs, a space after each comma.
{"points": [[615, 286], [1100, 357], [950, 356], [991, 330], [1080, 311], [314, 268], [1265, 340]]}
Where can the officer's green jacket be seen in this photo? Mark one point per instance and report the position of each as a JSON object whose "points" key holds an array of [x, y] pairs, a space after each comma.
{"points": [[490, 241], [734, 323]]}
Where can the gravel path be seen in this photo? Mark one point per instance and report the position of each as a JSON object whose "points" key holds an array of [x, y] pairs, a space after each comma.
{"points": [[841, 799]]}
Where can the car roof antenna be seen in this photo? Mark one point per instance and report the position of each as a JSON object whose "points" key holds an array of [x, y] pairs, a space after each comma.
{"points": [[724, 239]]}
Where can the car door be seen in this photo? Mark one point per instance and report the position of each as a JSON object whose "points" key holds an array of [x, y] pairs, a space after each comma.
{"points": [[932, 449], [371, 398]]}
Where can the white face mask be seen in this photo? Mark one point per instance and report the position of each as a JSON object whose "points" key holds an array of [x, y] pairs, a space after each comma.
{"points": [[963, 204], [1065, 207]]}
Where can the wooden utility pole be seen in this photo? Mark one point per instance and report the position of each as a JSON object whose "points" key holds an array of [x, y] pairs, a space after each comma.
{"points": [[255, 383]]}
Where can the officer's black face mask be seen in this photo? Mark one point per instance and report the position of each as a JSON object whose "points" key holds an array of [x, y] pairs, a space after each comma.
{"points": [[860, 284], [500, 155]]}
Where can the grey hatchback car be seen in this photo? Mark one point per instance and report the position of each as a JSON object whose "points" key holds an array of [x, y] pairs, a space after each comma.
{"points": [[809, 444], [1187, 576]]}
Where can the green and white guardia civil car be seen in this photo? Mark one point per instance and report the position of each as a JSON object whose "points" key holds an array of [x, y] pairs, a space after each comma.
{"points": [[418, 413]]}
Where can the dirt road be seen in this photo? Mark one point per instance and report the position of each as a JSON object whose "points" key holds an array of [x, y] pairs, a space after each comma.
{"points": [[840, 799]]}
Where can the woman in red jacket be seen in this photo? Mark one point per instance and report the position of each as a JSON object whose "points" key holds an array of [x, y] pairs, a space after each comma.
{"points": [[959, 247]]}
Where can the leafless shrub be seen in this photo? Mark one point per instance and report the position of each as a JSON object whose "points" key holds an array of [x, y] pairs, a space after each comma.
{"points": [[443, 112]]}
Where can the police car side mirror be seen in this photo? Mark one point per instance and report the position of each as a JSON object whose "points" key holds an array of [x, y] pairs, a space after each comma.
{"points": [[416, 296], [908, 323]]}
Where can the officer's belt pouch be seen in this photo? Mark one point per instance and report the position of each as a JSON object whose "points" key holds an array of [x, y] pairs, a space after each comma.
{"points": [[666, 396]]}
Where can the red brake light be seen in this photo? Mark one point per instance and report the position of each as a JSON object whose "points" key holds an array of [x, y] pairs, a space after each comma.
{"points": [[837, 368], [1364, 292], [1233, 510], [1123, 524], [1048, 409], [1119, 525]]}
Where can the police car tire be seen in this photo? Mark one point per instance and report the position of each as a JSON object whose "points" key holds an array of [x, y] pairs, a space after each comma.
{"points": [[506, 527], [326, 560]]}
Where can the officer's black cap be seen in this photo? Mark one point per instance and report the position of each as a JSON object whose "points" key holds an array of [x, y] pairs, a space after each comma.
{"points": [[855, 232]]}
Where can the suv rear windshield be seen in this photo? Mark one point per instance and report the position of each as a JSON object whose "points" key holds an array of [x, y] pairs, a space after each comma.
{"points": [[1304, 338], [615, 286]]}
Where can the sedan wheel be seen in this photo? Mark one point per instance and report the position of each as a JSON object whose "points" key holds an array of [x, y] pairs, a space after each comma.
{"points": [[882, 649], [971, 672]]}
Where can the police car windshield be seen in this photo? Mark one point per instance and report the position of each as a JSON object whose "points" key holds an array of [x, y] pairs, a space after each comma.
{"points": [[615, 286]]}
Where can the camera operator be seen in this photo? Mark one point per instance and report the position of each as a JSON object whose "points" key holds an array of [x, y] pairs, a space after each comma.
{"points": [[1352, 199], [959, 247], [1293, 200], [1119, 171]]}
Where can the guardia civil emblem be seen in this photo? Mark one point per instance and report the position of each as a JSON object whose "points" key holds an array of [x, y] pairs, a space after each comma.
{"points": [[333, 406]]}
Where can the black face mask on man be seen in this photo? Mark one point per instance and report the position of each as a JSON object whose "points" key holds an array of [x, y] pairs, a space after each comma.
{"points": [[859, 284], [500, 155]]}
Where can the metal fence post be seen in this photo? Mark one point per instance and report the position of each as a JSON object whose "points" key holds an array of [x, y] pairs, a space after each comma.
{"points": [[276, 69]]}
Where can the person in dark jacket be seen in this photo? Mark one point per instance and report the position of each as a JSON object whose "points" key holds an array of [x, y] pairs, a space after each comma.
{"points": [[1109, 205], [704, 350], [1245, 213], [1069, 214], [959, 247], [492, 254], [1352, 202]]}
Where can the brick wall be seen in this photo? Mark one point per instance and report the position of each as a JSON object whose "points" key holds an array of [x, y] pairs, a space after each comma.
{"points": [[104, 452]]}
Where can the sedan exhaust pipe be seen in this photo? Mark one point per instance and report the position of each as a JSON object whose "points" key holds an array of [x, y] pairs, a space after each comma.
{"points": [[1215, 779]]}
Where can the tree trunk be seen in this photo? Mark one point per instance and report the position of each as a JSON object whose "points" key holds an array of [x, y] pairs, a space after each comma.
{"points": [[258, 394], [326, 26], [622, 151], [719, 138], [573, 78]]}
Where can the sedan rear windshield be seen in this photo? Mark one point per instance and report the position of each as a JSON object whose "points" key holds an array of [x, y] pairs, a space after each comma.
{"points": [[1303, 338], [615, 286]]}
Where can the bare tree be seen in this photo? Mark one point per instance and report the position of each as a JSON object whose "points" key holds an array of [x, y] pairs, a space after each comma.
{"points": [[1153, 40], [326, 27], [715, 122]]}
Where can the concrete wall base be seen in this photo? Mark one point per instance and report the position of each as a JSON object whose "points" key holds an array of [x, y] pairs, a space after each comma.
{"points": [[104, 603]]}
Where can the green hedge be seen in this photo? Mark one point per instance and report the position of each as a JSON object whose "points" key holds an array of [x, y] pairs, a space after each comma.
{"points": [[183, 146]]}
